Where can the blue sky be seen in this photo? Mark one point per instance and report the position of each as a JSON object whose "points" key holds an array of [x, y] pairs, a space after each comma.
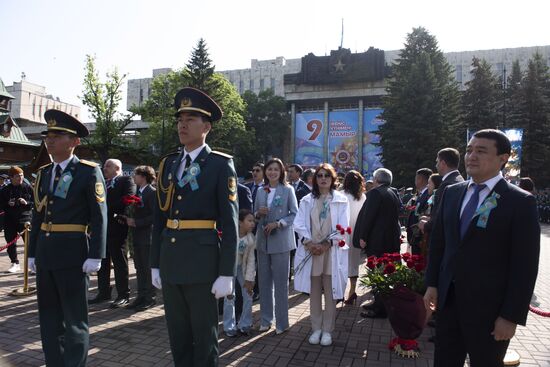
{"points": [[49, 39]]}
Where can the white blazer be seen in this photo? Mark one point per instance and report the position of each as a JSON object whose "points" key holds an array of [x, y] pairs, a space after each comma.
{"points": [[339, 214]]}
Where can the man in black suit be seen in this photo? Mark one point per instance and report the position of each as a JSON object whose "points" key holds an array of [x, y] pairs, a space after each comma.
{"points": [[142, 224], [307, 178], [414, 237], [245, 197], [377, 229], [446, 163], [295, 171], [257, 180], [118, 186], [483, 259]]}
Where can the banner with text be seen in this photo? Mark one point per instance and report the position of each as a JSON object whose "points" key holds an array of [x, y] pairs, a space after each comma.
{"points": [[308, 141], [371, 152], [343, 147]]}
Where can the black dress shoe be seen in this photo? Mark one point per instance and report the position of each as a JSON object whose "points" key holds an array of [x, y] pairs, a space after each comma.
{"points": [[98, 299], [138, 301], [120, 302], [145, 305]]}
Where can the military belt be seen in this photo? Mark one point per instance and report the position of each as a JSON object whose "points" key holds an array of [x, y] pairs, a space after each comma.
{"points": [[49, 227], [190, 224]]}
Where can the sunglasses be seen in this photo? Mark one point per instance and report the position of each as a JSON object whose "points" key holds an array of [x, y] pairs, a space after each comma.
{"points": [[324, 175]]}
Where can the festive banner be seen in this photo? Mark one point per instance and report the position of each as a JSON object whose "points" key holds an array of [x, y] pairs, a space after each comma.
{"points": [[342, 140], [371, 152], [309, 138]]}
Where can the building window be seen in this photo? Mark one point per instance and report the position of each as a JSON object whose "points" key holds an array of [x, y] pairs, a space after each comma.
{"points": [[140, 95], [261, 85], [500, 69], [459, 73], [241, 87], [272, 83], [251, 87]]}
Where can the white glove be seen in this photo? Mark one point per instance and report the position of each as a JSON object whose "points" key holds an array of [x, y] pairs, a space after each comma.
{"points": [[155, 278], [223, 286], [91, 265], [32, 266]]}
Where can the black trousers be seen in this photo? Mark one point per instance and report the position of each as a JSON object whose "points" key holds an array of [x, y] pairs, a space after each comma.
{"points": [[11, 228], [142, 264], [192, 319], [458, 335], [117, 253], [63, 314]]}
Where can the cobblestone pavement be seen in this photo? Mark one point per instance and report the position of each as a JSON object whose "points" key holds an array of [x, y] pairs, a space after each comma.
{"points": [[123, 338]]}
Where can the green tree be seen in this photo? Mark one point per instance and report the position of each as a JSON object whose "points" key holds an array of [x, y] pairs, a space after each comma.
{"points": [[536, 123], [200, 68], [421, 108], [103, 100], [515, 99], [481, 98], [267, 116], [228, 134]]}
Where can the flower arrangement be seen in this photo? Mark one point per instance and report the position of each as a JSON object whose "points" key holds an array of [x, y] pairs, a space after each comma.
{"points": [[391, 270], [399, 280], [129, 200], [327, 240]]}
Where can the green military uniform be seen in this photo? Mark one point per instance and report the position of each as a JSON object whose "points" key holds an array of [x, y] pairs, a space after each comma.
{"points": [[68, 226], [190, 252]]}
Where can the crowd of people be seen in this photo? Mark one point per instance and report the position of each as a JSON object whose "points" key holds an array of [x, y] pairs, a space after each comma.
{"points": [[212, 244]]}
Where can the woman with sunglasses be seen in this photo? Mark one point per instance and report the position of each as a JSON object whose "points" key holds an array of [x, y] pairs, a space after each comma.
{"points": [[326, 271], [275, 207]]}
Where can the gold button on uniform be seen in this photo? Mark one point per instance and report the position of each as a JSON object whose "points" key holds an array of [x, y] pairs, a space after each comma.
{"points": [[179, 197], [173, 240]]}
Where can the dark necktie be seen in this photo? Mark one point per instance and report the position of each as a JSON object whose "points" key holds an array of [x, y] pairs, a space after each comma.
{"points": [[58, 172], [470, 209], [187, 161]]}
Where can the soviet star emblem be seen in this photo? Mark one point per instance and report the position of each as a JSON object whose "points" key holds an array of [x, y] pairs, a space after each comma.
{"points": [[339, 66]]}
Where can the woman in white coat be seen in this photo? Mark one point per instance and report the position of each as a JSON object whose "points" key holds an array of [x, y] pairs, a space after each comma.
{"points": [[327, 269]]}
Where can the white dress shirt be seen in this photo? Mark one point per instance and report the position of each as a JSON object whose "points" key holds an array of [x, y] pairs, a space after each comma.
{"points": [[193, 154], [63, 165], [490, 184]]}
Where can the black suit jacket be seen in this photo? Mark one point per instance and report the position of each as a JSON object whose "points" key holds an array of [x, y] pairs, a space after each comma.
{"points": [[303, 191], [452, 179], [250, 185], [123, 185], [245, 197], [143, 215], [493, 269], [378, 222], [421, 206]]}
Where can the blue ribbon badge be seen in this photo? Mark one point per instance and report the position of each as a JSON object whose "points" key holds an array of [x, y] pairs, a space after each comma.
{"points": [[63, 185], [485, 209], [191, 177]]}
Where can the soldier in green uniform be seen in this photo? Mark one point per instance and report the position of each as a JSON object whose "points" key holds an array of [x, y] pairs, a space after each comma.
{"points": [[190, 261], [67, 241]]}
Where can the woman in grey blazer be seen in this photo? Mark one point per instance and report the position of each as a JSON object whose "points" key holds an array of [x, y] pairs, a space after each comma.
{"points": [[276, 207]]}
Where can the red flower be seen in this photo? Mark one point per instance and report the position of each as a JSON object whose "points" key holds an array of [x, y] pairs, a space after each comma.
{"points": [[410, 263], [410, 207], [266, 189], [396, 256], [219, 234], [348, 230], [371, 264], [131, 200], [341, 243], [419, 266], [406, 256], [342, 231], [338, 227], [417, 258], [390, 268]]}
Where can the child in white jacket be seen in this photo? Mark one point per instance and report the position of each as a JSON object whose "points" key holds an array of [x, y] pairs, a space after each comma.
{"points": [[246, 272]]}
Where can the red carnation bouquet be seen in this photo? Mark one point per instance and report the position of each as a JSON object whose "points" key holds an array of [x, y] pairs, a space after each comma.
{"points": [[340, 231], [399, 280], [130, 202]]}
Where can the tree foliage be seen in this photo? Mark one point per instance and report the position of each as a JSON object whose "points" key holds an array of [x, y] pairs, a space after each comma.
{"points": [[103, 100], [481, 99], [228, 134], [267, 116], [421, 109]]}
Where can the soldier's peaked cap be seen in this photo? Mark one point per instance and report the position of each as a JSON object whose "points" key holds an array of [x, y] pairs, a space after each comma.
{"points": [[59, 121], [194, 100]]}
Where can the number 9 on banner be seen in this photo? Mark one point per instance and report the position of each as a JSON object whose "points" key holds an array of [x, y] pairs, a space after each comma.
{"points": [[315, 126]]}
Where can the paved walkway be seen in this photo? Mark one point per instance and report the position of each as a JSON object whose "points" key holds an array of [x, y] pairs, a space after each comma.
{"points": [[123, 338]]}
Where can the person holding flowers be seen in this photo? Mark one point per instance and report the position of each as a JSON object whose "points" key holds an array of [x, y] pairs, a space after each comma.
{"points": [[276, 207], [321, 261]]}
